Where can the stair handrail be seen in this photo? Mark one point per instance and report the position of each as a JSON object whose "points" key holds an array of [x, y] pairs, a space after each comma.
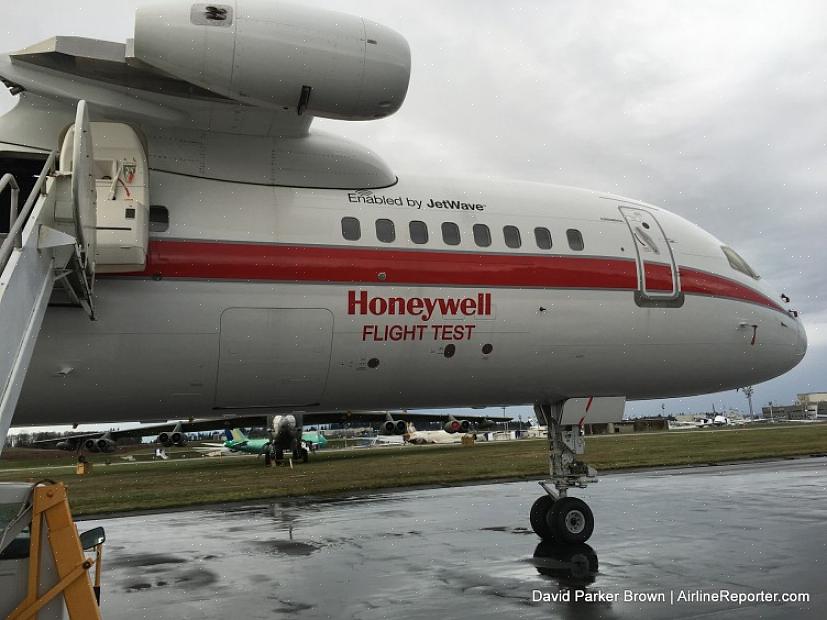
{"points": [[17, 221], [9, 180]]}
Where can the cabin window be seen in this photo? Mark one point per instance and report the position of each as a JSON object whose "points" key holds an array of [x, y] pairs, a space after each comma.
{"points": [[512, 236], [385, 231], [738, 263], [575, 238], [450, 233], [158, 219], [351, 229], [543, 238], [419, 232], [482, 235]]}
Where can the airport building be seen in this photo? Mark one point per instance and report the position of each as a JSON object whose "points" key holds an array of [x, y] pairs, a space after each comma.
{"points": [[808, 406], [815, 402]]}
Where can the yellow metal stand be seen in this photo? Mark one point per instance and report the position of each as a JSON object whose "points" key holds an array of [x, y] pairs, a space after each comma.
{"points": [[84, 468], [51, 503]]}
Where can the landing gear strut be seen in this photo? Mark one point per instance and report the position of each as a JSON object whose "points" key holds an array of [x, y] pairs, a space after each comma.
{"points": [[555, 516]]}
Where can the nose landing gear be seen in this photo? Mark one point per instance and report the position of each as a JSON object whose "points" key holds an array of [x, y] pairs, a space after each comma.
{"points": [[555, 516]]}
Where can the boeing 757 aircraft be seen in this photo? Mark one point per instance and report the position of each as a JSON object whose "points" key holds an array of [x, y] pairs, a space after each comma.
{"points": [[203, 252]]}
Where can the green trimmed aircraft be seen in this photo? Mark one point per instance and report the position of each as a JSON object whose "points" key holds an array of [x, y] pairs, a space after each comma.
{"points": [[237, 441]]}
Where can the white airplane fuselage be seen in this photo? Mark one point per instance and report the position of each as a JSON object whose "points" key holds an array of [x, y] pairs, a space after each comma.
{"points": [[253, 300]]}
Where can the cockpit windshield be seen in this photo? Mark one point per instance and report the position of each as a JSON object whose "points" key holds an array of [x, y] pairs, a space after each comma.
{"points": [[738, 263]]}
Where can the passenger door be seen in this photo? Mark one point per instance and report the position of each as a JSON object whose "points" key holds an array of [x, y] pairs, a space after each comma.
{"points": [[658, 278]]}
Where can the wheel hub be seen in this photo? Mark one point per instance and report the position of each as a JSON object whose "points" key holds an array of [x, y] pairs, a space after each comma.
{"points": [[575, 521]]}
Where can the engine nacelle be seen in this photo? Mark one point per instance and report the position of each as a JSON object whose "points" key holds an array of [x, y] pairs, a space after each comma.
{"points": [[91, 445], [175, 438], [457, 426], [104, 445], [65, 445], [278, 55], [395, 427]]}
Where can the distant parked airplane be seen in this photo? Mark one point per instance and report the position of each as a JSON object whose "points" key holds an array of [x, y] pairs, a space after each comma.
{"points": [[440, 436], [237, 441]]}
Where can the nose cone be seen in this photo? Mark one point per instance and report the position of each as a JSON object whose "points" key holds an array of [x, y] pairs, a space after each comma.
{"points": [[800, 346], [783, 334], [793, 346]]}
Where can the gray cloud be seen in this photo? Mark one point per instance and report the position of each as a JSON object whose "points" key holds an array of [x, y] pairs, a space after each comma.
{"points": [[713, 110]]}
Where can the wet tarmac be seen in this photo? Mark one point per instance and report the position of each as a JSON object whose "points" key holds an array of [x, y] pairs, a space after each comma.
{"points": [[466, 552]]}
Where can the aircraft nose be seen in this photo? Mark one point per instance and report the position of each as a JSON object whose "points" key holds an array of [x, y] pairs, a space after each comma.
{"points": [[801, 340], [795, 341]]}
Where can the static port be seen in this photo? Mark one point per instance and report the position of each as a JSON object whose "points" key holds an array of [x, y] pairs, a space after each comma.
{"points": [[373, 363], [487, 348], [450, 350]]}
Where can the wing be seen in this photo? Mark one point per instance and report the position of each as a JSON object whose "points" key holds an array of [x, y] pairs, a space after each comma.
{"points": [[409, 416], [198, 425], [190, 426], [72, 440]]}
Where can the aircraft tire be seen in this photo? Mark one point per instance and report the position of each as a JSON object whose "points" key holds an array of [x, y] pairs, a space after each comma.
{"points": [[279, 455], [305, 455], [571, 520], [540, 517]]}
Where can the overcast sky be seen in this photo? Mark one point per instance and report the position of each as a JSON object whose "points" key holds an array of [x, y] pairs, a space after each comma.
{"points": [[717, 111]]}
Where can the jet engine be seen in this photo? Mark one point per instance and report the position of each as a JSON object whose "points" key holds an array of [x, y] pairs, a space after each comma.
{"points": [[457, 426], [101, 444], [395, 427], [105, 445], [278, 55], [175, 438]]}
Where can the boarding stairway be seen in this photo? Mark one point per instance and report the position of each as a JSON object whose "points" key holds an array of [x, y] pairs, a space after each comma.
{"points": [[50, 248]]}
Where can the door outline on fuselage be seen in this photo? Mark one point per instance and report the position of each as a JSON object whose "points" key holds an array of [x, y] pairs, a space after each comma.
{"points": [[320, 364], [649, 236]]}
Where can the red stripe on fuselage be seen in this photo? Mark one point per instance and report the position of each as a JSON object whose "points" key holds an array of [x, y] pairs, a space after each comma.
{"points": [[293, 263], [658, 277], [704, 283], [239, 261]]}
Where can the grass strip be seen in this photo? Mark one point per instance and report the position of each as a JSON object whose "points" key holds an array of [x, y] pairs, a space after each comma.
{"points": [[190, 482]]}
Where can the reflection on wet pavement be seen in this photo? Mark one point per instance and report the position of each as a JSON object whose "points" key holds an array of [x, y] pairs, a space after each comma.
{"points": [[466, 552]]}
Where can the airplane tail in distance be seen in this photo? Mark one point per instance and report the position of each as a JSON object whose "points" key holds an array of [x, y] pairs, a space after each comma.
{"points": [[237, 435]]}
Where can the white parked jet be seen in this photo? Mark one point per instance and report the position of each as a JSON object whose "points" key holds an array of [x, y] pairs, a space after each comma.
{"points": [[432, 437], [238, 263]]}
